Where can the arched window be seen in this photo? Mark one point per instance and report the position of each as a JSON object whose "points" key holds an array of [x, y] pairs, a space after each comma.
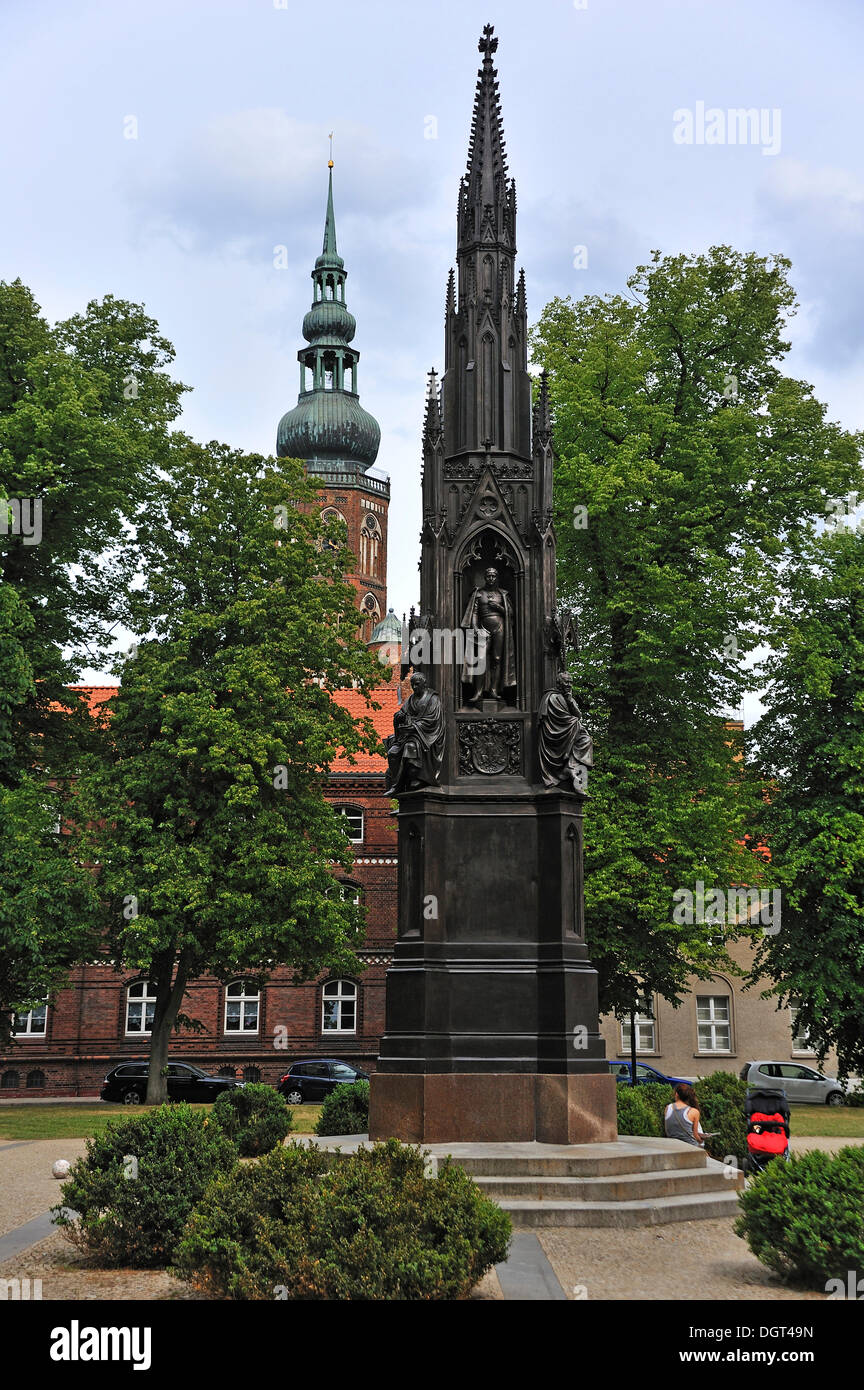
{"points": [[339, 1007], [230, 1072], [242, 1002], [35, 1079], [140, 1007], [10, 1081], [354, 817], [350, 891], [252, 1075]]}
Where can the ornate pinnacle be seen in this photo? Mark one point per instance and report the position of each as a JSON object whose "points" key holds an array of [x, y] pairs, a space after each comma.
{"points": [[488, 43], [432, 419]]}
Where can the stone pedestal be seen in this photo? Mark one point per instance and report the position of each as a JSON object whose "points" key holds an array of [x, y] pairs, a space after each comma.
{"points": [[489, 1107]]}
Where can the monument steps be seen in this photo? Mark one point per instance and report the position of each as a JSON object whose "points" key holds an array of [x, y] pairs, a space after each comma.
{"points": [[656, 1211], [626, 1187]]}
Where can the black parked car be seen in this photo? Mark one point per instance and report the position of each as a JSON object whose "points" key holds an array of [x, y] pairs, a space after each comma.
{"points": [[128, 1082], [315, 1079]]}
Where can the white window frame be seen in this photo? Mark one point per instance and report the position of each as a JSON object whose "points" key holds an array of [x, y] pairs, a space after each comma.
{"points": [[23, 1023], [248, 994], [800, 1043], [646, 1028], [144, 998], [340, 993], [715, 1022], [353, 811]]}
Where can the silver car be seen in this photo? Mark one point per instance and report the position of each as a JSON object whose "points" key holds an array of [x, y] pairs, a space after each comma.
{"points": [[802, 1084]]}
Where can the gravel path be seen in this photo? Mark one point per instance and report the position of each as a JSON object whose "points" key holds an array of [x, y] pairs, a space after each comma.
{"points": [[27, 1188], [686, 1261]]}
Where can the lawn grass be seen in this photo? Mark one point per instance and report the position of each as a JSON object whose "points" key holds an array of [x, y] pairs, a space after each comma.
{"points": [[833, 1122], [80, 1121]]}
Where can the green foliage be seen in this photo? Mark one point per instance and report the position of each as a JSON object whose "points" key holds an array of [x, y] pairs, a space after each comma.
{"points": [[803, 1218], [345, 1110], [254, 1117], [855, 1097], [305, 1225], [636, 1114], [656, 1095], [134, 1216], [210, 805], [811, 747], [721, 1099], [48, 903], [699, 466]]}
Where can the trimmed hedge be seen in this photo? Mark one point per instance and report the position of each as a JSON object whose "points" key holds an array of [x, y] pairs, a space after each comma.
{"points": [[636, 1115], [302, 1224], [139, 1182], [345, 1111], [254, 1117], [805, 1218]]}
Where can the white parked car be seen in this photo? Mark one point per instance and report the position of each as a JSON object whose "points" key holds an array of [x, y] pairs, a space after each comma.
{"points": [[803, 1085]]}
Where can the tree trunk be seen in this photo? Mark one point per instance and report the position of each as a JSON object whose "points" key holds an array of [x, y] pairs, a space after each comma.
{"points": [[170, 988]]}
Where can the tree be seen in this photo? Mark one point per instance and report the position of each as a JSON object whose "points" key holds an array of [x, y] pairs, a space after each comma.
{"points": [[85, 408], [84, 413], [688, 467], [811, 749], [216, 846]]}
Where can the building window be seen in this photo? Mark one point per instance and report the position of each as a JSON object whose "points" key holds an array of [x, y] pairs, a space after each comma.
{"points": [[252, 1075], [713, 1023], [140, 1007], [350, 891], [800, 1038], [10, 1081], [339, 1007], [242, 1000], [230, 1072], [354, 817], [646, 1030], [35, 1080], [33, 1023]]}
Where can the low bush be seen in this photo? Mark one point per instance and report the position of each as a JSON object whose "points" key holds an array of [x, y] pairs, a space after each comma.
{"points": [[302, 1224], [254, 1117], [721, 1097], [657, 1095], [345, 1111], [138, 1183], [804, 1218], [636, 1115]]}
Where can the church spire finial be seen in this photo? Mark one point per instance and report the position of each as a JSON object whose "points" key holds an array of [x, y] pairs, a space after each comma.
{"points": [[488, 43]]}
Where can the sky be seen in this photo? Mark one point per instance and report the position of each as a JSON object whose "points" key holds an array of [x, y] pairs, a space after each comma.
{"points": [[174, 152]]}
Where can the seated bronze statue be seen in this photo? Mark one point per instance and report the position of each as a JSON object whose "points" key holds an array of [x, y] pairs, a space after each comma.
{"points": [[564, 744], [415, 750]]}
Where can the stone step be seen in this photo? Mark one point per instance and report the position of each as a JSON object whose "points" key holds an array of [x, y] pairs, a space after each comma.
{"points": [[653, 1211], [625, 1187], [576, 1161]]}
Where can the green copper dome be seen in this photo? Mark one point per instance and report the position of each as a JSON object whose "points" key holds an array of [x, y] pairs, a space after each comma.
{"points": [[328, 427], [329, 322]]}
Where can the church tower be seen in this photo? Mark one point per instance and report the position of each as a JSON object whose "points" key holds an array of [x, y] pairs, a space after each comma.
{"points": [[337, 438], [492, 1026]]}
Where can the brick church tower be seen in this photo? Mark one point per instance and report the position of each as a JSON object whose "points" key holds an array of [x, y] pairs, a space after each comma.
{"points": [[336, 437]]}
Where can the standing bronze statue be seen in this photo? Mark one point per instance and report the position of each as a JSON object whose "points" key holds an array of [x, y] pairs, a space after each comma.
{"points": [[415, 750], [490, 610], [564, 744]]}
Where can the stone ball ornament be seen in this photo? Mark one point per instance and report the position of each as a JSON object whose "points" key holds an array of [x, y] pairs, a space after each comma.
{"points": [[61, 1168]]}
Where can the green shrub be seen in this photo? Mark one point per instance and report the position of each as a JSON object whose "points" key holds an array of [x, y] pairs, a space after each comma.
{"points": [[636, 1115], [345, 1111], [721, 1098], [255, 1117], [804, 1218], [138, 1182], [855, 1097], [302, 1224], [657, 1095]]}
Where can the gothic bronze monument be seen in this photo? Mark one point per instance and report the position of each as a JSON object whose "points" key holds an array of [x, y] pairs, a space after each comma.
{"points": [[491, 1028]]}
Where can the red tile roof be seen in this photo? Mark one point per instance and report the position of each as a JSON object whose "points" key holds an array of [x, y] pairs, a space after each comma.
{"points": [[351, 700]]}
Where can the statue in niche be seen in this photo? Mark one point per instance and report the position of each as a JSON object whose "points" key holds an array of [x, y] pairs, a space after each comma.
{"points": [[489, 612], [564, 744], [415, 749]]}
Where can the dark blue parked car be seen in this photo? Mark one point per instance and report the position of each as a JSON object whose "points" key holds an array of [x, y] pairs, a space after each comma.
{"points": [[621, 1072]]}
